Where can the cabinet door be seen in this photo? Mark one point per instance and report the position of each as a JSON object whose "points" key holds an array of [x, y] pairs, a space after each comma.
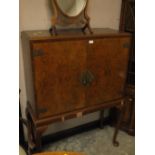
{"points": [[57, 68], [107, 66]]}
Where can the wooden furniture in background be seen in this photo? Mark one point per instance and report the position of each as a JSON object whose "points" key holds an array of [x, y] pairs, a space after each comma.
{"points": [[72, 74], [127, 24], [128, 122]]}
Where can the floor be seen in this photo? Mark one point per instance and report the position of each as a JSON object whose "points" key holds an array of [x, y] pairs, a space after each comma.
{"points": [[21, 151], [95, 142]]}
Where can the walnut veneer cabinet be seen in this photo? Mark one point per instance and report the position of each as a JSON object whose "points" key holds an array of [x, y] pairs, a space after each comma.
{"points": [[72, 74]]}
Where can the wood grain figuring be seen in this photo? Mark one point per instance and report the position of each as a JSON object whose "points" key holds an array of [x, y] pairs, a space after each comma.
{"points": [[57, 76], [108, 62]]}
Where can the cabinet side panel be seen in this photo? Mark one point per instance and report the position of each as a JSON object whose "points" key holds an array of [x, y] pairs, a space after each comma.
{"points": [[28, 72]]}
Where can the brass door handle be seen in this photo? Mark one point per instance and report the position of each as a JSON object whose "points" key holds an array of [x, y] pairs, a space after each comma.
{"points": [[87, 78]]}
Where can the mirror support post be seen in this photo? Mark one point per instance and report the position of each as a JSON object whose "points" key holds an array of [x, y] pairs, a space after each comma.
{"points": [[53, 30], [87, 25]]}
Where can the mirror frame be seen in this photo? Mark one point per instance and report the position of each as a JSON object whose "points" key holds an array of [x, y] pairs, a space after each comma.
{"points": [[65, 14], [61, 18]]}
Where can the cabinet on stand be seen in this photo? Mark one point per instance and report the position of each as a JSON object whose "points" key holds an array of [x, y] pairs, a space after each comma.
{"points": [[72, 74]]}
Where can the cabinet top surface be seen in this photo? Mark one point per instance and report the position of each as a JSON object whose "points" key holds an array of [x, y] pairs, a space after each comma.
{"points": [[97, 32]]}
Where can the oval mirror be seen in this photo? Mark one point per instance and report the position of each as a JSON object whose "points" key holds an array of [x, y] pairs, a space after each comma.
{"points": [[71, 8]]}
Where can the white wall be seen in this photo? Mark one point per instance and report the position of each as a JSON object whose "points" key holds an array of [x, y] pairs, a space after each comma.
{"points": [[35, 15]]}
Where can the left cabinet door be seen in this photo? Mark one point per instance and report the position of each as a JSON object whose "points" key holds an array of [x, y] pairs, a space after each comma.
{"points": [[57, 67]]}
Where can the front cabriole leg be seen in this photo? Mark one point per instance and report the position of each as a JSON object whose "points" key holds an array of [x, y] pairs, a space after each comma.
{"points": [[121, 109]]}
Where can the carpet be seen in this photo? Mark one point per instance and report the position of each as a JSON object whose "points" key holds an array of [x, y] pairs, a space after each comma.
{"points": [[95, 142]]}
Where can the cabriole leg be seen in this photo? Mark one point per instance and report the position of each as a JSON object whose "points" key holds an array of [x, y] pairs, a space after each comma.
{"points": [[115, 142], [30, 135], [38, 142], [38, 135]]}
